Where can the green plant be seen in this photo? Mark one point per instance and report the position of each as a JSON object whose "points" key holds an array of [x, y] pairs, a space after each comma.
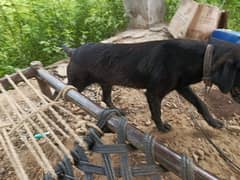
{"points": [[172, 6], [35, 29]]}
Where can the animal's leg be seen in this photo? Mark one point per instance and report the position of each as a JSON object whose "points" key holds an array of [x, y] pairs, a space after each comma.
{"points": [[106, 95], [188, 94], [80, 85], [154, 102]]}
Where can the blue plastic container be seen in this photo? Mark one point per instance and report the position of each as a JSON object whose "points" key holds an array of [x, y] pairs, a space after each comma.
{"points": [[226, 35]]}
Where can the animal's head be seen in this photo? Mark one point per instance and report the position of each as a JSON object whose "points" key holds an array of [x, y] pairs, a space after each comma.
{"points": [[226, 69]]}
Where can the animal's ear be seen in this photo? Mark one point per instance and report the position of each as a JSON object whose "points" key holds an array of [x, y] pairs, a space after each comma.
{"points": [[224, 76]]}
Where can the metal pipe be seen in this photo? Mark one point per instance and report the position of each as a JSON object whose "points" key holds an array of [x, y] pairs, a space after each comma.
{"points": [[72, 95], [163, 155]]}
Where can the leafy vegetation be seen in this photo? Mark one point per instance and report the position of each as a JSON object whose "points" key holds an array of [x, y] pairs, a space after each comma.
{"points": [[35, 29]]}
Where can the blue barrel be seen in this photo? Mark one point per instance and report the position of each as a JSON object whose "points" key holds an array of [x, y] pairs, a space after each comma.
{"points": [[226, 35]]}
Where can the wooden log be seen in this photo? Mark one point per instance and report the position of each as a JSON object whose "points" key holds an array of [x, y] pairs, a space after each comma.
{"points": [[41, 82], [28, 72]]}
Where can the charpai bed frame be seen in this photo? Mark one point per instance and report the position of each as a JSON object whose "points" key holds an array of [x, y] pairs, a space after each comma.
{"points": [[21, 119]]}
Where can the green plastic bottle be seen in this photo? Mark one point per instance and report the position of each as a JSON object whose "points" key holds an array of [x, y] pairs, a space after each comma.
{"points": [[40, 135]]}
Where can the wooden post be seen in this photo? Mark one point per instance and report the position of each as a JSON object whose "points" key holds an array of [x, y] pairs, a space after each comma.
{"points": [[144, 13], [45, 88]]}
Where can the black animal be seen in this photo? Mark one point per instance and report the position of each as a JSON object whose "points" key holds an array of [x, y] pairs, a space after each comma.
{"points": [[159, 67]]}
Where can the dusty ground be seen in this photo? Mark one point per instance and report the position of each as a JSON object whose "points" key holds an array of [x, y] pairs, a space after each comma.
{"points": [[183, 138]]}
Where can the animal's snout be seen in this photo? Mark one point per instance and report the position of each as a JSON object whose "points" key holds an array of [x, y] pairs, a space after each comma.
{"points": [[235, 93]]}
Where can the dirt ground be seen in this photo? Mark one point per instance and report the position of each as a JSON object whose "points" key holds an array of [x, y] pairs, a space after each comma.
{"points": [[183, 138]]}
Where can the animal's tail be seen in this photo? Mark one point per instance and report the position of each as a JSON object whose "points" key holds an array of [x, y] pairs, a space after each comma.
{"points": [[68, 50]]}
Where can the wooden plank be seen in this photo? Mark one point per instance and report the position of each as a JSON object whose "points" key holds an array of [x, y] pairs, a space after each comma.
{"points": [[44, 86], [28, 72]]}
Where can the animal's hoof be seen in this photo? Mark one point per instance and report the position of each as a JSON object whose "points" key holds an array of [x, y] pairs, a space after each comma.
{"points": [[216, 124], [165, 127]]}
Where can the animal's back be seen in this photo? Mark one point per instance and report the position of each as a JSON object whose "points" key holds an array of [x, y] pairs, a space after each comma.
{"points": [[130, 65]]}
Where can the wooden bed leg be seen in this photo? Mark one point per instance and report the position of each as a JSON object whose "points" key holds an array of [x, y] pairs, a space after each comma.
{"points": [[44, 86]]}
